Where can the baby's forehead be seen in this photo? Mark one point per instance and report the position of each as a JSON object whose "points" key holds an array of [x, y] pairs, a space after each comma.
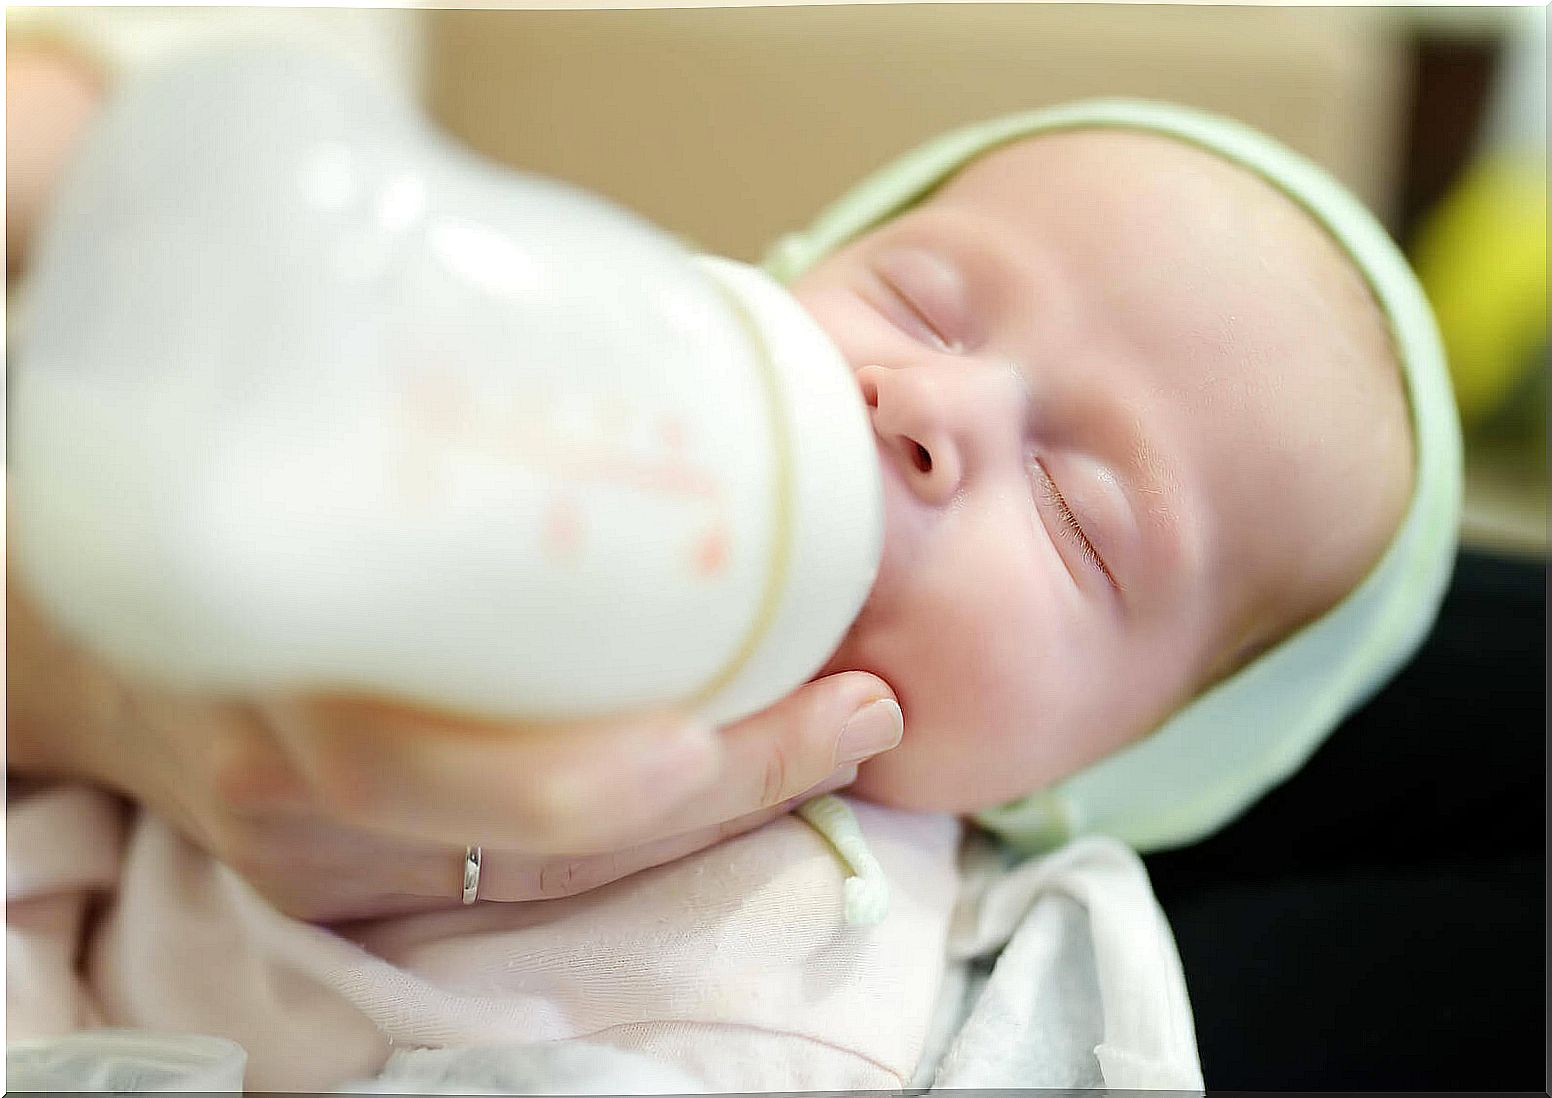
{"points": [[1138, 152], [1130, 207], [1100, 173]]}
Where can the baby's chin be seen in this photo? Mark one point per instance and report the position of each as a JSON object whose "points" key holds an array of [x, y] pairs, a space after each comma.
{"points": [[909, 777], [886, 785]]}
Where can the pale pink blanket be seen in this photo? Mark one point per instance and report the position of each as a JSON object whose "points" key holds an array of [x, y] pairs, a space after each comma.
{"points": [[734, 965]]}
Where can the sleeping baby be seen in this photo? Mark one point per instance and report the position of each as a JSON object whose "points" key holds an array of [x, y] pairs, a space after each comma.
{"points": [[1171, 476]]}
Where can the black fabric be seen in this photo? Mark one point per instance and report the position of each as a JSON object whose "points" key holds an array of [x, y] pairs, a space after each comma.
{"points": [[1378, 922]]}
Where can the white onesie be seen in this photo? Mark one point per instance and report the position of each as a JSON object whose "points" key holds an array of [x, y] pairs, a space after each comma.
{"points": [[730, 970]]}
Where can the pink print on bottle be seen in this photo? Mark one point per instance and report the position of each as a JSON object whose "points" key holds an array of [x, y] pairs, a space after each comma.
{"points": [[440, 416], [563, 531]]}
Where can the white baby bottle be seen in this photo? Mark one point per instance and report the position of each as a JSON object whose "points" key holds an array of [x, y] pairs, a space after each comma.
{"points": [[312, 399]]}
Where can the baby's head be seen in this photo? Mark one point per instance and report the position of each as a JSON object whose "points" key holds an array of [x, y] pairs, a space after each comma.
{"points": [[1140, 419]]}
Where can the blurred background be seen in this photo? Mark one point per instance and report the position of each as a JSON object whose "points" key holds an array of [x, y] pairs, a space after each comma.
{"points": [[1375, 922]]}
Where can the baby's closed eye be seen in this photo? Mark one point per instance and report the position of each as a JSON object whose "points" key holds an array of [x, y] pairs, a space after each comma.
{"points": [[927, 296], [1067, 524]]}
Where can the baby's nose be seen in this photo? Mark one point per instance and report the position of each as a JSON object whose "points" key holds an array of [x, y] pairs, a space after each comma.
{"points": [[935, 421]]}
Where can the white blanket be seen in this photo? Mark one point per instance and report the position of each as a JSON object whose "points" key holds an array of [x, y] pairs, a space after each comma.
{"points": [[731, 970]]}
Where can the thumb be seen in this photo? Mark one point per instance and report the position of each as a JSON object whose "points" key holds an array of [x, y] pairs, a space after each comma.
{"points": [[780, 753]]}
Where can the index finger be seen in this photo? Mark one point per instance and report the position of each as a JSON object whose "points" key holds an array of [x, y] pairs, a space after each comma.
{"points": [[827, 725], [537, 787]]}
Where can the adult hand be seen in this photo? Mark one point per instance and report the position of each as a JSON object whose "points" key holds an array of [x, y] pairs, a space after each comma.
{"points": [[338, 808]]}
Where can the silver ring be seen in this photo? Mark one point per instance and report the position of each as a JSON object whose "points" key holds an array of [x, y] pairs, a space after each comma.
{"points": [[471, 874]]}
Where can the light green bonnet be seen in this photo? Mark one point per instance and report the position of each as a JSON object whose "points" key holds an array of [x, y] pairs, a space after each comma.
{"points": [[1235, 741]]}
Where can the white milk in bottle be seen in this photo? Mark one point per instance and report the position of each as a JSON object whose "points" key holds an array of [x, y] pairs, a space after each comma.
{"points": [[312, 399]]}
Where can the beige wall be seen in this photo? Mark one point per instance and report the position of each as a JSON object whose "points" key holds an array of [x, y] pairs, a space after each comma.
{"points": [[733, 125]]}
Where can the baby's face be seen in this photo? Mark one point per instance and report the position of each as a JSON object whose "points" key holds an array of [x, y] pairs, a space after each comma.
{"points": [[1138, 417]]}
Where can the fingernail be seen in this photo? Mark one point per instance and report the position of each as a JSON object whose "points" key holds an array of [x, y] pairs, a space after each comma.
{"points": [[875, 727]]}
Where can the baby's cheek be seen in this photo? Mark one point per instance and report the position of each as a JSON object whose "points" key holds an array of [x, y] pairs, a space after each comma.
{"points": [[864, 336], [835, 310], [971, 741], [1000, 713]]}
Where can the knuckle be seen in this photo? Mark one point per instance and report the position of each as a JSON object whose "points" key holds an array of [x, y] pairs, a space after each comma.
{"points": [[814, 712], [555, 799], [247, 776], [565, 877], [550, 874], [773, 784], [344, 788], [812, 732], [555, 811]]}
